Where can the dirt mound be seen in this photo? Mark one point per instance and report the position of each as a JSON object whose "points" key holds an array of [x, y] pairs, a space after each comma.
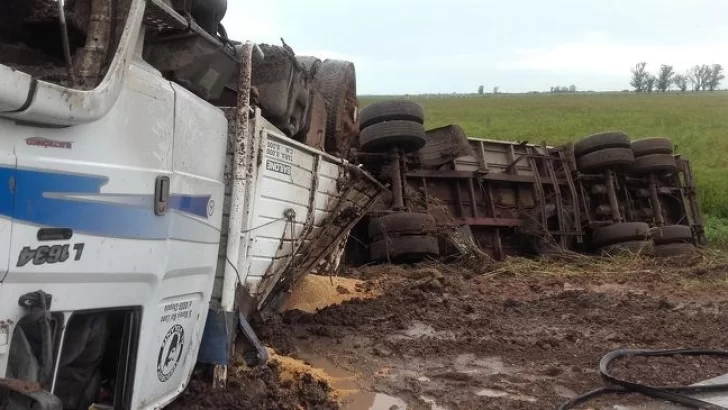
{"points": [[316, 292], [276, 385]]}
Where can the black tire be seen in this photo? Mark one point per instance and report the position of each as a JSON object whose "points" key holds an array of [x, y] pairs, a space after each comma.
{"points": [[648, 146], [606, 158], [393, 110], [406, 135], [653, 163], [601, 141], [620, 232], [674, 249], [642, 248], [404, 248], [672, 234], [336, 81], [401, 224], [310, 63]]}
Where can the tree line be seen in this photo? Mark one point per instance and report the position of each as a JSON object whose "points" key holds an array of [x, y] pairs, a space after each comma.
{"points": [[563, 89], [699, 78]]}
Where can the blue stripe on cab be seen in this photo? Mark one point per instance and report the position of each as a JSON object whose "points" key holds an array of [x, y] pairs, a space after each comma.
{"points": [[32, 203], [195, 205], [7, 183]]}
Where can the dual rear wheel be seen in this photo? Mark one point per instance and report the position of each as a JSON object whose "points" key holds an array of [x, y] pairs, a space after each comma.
{"points": [[392, 124], [615, 150], [402, 237], [397, 236], [637, 238]]}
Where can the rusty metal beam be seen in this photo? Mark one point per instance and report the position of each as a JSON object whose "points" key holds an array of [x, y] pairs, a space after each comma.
{"points": [[396, 176], [655, 200], [425, 193], [493, 176], [538, 187], [501, 222], [459, 199], [426, 173], [575, 203], [473, 199], [612, 195], [548, 164]]}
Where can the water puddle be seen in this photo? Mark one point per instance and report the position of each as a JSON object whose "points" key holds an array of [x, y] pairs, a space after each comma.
{"points": [[433, 404], [564, 392], [419, 330], [491, 393], [340, 379], [472, 364], [346, 383], [504, 394], [373, 401]]}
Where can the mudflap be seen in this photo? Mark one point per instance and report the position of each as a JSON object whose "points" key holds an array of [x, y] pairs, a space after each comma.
{"points": [[218, 338], [221, 329]]}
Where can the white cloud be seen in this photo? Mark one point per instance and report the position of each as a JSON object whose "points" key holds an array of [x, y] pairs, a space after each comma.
{"points": [[251, 20], [597, 54]]}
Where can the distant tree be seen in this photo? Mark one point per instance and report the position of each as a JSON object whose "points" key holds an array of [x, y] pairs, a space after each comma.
{"points": [[481, 89], [716, 76], [705, 75], [665, 78], [496, 90], [681, 81], [563, 89], [650, 83], [639, 77], [695, 77]]}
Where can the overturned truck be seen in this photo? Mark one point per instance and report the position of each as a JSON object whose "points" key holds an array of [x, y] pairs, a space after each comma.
{"points": [[603, 194], [161, 184]]}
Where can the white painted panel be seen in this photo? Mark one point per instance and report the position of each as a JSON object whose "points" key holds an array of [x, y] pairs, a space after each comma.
{"points": [[265, 247], [288, 172], [284, 192], [200, 134], [273, 209], [14, 88], [329, 170], [279, 148]]}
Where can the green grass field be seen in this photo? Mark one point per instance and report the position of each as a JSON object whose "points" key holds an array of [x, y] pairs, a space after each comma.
{"points": [[696, 122]]}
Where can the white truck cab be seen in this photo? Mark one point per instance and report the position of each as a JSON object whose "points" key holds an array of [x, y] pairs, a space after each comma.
{"points": [[130, 207]]}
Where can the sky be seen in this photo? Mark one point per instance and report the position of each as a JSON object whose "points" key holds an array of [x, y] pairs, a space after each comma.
{"points": [[446, 46]]}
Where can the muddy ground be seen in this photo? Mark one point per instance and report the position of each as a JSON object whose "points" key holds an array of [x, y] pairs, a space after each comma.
{"points": [[515, 335]]}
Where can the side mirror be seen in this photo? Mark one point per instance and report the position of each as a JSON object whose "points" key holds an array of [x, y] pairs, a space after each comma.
{"points": [[21, 395]]}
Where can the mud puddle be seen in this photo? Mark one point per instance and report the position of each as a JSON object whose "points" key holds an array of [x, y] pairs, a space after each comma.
{"points": [[443, 338], [373, 401], [501, 393], [351, 391]]}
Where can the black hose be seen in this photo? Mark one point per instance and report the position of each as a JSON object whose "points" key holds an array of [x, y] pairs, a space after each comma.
{"points": [[674, 394]]}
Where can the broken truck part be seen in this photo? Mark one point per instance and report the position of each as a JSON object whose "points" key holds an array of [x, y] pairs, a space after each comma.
{"points": [[604, 194], [154, 201]]}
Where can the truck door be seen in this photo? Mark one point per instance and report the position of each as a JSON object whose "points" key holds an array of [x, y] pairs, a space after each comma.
{"points": [[7, 196]]}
